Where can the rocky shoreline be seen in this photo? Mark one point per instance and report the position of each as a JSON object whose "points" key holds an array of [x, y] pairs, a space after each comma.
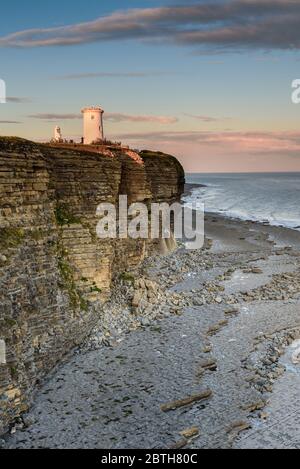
{"points": [[55, 272], [219, 319]]}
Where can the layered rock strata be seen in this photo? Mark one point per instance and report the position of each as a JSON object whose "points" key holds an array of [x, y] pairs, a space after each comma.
{"points": [[55, 273]]}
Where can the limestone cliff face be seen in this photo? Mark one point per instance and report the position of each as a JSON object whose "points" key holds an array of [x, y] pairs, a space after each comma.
{"points": [[54, 272]]}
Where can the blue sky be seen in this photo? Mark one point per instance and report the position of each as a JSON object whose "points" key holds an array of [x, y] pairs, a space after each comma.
{"points": [[216, 105]]}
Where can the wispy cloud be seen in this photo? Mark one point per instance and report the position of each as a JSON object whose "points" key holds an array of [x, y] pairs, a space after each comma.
{"points": [[79, 76], [10, 122], [206, 119], [217, 25], [119, 117], [256, 143], [17, 100], [109, 116], [53, 117]]}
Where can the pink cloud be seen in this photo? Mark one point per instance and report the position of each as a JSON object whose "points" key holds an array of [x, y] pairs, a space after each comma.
{"points": [[225, 151]]}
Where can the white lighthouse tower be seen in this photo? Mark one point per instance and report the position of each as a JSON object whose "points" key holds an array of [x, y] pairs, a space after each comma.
{"points": [[57, 134], [92, 125]]}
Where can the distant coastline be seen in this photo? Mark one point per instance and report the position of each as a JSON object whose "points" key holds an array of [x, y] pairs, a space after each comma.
{"points": [[189, 187]]}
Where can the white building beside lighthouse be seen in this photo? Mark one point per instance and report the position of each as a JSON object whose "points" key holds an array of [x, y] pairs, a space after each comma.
{"points": [[92, 125], [57, 134]]}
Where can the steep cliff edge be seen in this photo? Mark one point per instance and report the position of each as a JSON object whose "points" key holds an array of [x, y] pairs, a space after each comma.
{"points": [[54, 272]]}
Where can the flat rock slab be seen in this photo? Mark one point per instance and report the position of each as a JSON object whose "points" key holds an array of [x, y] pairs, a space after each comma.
{"points": [[195, 280], [242, 281], [281, 427]]}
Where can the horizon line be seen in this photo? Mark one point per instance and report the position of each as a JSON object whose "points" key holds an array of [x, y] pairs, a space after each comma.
{"points": [[243, 172]]}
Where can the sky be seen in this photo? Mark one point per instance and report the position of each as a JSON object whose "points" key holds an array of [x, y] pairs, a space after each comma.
{"points": [[208, 81]]}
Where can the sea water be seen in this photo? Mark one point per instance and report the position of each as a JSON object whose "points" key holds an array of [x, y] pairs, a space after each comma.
{"points": [[263, 197]]}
